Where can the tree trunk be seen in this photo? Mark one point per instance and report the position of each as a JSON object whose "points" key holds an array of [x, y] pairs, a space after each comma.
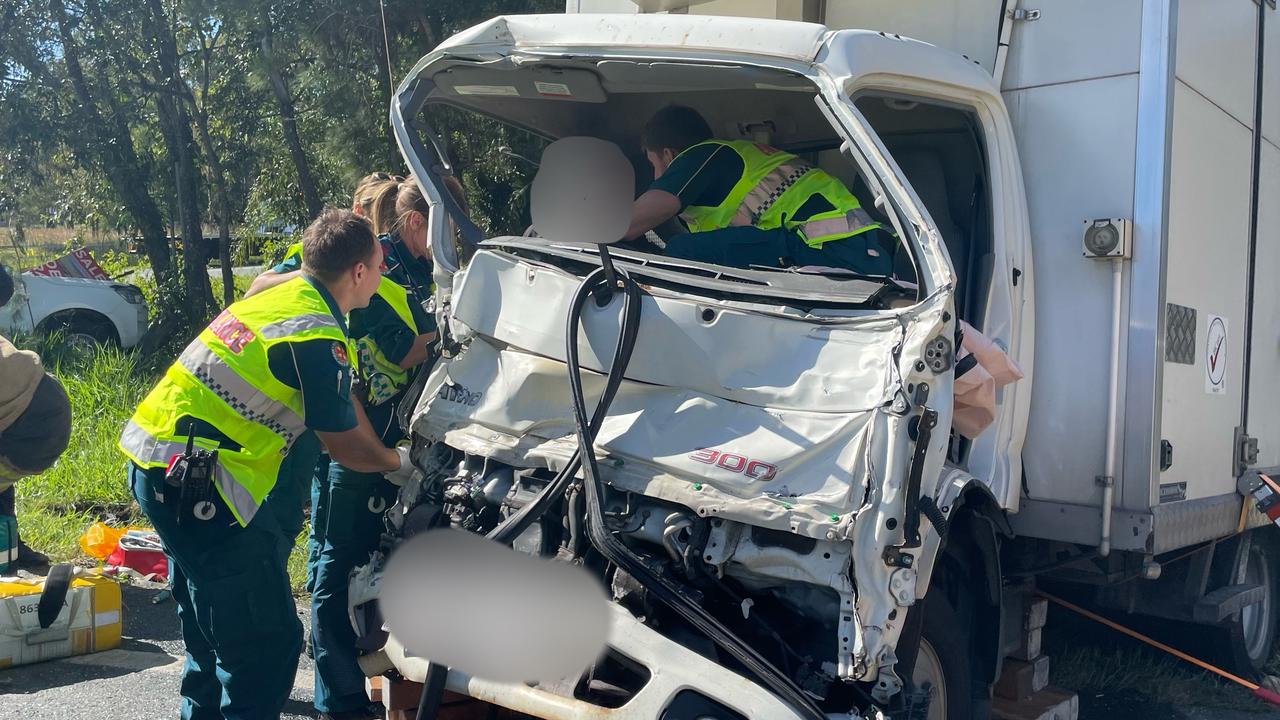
{"points": [[180, 144], [221, 204], [216, 177], [112, 146], [280, 88]]}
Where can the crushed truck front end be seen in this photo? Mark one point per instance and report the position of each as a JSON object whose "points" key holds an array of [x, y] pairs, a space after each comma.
{"points": [[764, 453]]}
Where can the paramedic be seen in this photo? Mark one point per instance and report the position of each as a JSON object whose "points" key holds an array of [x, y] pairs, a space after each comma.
{"points": [[750, 204], [265, 371], [393, 337], [35, 425], [308, 462]]}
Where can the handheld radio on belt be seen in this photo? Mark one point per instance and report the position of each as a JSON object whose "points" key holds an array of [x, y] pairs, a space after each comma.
{"points": [[192, 473]]}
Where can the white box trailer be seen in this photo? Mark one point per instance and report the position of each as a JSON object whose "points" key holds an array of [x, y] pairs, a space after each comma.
{"points": [[1090, 184]]}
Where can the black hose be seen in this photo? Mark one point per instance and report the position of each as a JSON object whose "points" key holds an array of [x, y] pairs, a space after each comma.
{"points": [[615, 550], [929, 509], [432, 691], [516, 523]]}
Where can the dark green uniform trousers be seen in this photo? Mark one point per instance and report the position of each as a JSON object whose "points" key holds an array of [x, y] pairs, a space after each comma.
{"points": [[231, 585], [867, 253], [354, 523], [319, 516]]}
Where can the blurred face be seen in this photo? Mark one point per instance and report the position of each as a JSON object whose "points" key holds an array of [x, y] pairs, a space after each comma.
{"points": [[660, 160], [413, 233]]}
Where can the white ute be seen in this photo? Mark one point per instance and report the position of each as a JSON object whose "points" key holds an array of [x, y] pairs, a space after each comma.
{"points": [[773, 495], [85, 310]]}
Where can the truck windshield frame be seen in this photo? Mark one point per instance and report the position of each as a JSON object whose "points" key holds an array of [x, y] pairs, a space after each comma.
{"points": [[428, 160]]}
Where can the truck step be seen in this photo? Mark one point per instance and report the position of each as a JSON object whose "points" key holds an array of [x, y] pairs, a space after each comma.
{"points": [[1224, 602], [1047, 704]]}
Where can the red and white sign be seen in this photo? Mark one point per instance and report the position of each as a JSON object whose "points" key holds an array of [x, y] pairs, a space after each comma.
{"points": [[77, 263]]}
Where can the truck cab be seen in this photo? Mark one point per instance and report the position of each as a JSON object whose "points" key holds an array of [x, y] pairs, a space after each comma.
{"points": [[840, 422], [781, 439]]}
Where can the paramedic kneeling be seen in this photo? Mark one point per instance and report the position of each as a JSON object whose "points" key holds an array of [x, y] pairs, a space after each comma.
{"points": [[208, 443], [746, 203]]}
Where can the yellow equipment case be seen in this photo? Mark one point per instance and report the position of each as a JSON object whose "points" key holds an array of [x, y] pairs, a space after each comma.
{"points": [[88, 620]]}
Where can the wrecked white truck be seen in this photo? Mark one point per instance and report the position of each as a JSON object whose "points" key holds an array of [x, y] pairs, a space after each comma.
{"points": [[759, 463]]}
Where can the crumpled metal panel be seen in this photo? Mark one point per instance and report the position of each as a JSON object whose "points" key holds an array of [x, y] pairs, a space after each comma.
{"points": [[792, 470], [784, 361]]}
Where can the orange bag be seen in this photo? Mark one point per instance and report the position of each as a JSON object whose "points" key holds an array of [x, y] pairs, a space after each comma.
{"points": [[100, 540]]}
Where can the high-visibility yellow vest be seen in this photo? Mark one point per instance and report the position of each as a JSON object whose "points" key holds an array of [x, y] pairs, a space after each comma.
{"points": [[293, 251], [224, 379], [383, 378], [773, 187]]}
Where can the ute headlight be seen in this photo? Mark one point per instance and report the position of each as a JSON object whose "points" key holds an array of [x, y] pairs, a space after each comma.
{"points": [[130, 293]]}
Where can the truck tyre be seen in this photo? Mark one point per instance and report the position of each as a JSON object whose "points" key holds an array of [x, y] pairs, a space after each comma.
{"points": [[1247, 639], [945, 660]]}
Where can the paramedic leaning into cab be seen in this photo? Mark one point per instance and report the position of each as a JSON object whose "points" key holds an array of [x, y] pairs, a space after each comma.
{"points": [[746, 203], [394, 335], [206, 446]]}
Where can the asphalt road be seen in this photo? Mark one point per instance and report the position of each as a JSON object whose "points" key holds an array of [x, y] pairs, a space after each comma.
{"points": [[137, 681]]}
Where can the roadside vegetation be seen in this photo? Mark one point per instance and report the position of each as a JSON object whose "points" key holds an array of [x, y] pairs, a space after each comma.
{"points": [[199, 135]]}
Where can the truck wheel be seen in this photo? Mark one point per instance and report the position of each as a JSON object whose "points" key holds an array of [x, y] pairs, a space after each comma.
{"points": [[945, 659], [1248, 638]]}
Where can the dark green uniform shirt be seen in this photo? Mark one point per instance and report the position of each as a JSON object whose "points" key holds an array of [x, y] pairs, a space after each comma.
{"points": [[704, 175], [379, 321]]}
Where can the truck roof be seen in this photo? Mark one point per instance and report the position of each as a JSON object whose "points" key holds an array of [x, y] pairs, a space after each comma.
{"points": [[776, 38], [841, 52]]}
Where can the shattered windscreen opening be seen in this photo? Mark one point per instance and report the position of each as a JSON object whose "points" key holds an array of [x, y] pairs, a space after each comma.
{"points": [[495, 119]]}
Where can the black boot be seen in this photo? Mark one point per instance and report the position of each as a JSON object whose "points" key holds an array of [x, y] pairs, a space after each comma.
{"points": [[29, 559]]}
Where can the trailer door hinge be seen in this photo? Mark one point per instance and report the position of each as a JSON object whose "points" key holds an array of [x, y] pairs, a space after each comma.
{"points": [[1025, 14], [1246, 451]]}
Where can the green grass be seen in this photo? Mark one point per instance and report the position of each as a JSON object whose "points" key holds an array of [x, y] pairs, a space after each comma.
{"points": [[1161, 679], [88, 482], [1100, 663]]}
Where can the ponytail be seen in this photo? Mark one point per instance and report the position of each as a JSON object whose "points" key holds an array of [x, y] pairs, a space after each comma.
{"points": [[380, 205], [410, 199]]}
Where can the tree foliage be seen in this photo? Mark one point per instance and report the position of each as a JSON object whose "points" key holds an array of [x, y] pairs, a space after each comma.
{"points": [[154, 118]]}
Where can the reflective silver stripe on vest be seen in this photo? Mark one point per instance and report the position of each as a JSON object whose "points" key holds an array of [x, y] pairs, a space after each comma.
{"points": [[251, 403], [236, 495], [147, 448], [771, 187], [851, 222], [8, 556], [296, 324]]}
